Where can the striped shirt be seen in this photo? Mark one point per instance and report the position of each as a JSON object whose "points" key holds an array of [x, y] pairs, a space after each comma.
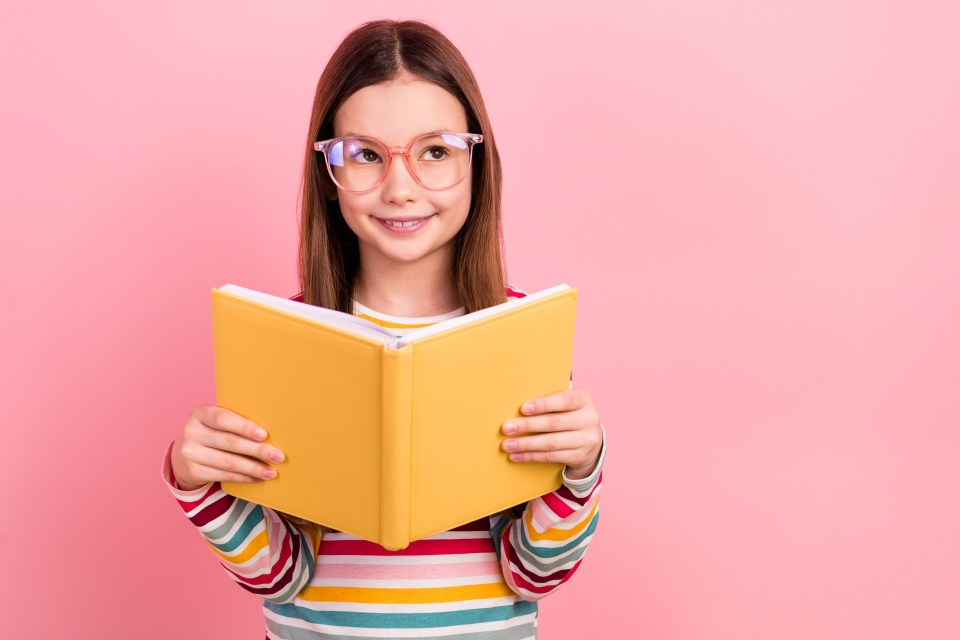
{"points": [[480, 581]]}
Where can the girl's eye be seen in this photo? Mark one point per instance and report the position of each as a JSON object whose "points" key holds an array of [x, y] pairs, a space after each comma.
{"points": [[434, 153], [368, 155], [365, 156]]}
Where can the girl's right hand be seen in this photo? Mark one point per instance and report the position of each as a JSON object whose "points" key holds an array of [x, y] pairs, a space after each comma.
{"points": [[218, 445]]}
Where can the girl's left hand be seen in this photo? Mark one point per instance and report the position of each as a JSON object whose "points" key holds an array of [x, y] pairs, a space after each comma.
{"points": [[569, 428]]}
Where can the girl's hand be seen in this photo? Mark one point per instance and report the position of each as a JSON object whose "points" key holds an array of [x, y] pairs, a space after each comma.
{"points": [[569, 428], [217, 445]]}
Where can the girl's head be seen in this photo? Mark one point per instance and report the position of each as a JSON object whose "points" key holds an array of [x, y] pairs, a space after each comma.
{"points": [[394, 81]]}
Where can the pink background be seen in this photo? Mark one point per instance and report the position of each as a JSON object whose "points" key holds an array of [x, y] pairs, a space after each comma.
{"points": [[758, 201]]}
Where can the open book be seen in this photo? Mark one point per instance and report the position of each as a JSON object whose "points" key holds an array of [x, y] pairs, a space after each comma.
{"points": [[391, 440]]}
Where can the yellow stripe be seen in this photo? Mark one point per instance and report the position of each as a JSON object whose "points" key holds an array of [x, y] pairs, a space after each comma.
{"points": [[557, 535], [248, 552], [392, 325], [405, 596]]}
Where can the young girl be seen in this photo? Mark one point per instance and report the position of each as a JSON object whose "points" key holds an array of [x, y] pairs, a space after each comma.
{"points": [[401, 225]]}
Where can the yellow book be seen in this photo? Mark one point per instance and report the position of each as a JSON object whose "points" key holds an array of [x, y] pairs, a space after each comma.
{"points": [[391, 440]]}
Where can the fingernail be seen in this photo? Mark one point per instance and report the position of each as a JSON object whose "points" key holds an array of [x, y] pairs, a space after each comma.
{"points": [[527, 407], [260, 433], [276, 456], [509, 427], [515, 457], [510, 445], [269, 474]]}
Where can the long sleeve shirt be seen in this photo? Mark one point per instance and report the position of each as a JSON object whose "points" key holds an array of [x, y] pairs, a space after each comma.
{"points": [[478, 581]]}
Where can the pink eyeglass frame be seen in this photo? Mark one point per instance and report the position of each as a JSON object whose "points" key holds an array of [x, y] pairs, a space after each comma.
{"points": [[470, 138]]}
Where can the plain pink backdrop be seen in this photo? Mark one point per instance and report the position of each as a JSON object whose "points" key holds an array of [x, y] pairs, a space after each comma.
{"points": [[758, 200]]}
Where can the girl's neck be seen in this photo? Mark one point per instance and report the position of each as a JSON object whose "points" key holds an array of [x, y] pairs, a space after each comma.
{"points": [[409, 291]]}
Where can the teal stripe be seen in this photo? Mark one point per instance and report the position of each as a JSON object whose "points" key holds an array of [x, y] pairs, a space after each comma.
{"points": [[552, 552], [254, 518], [365, 620], [496, 531]]}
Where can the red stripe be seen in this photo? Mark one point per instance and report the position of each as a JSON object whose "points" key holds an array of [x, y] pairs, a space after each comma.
{"points": [[418, 548], [190, 505], [523, 584], [213, 511], [557, 505]]}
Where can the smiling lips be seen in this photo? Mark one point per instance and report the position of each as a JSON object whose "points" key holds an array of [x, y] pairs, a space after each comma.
{"points": [[404, 225]]}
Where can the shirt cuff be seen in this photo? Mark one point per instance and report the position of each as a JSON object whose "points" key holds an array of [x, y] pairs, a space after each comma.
{"points": [[585, 484], [166, 473]]}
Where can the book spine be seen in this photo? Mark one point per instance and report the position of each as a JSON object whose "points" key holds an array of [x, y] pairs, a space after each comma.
{"points": [[397, 403]]}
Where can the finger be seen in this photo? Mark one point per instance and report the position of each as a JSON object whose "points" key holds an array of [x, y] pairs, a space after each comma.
{"points": [[573, 458], [546, 423], [577, 456], [204, 474], [231, 463], [566, 400], [233, 443], [225, 420], [546, 443]]}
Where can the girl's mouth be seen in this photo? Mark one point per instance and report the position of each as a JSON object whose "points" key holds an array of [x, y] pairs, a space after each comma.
{"points": [[404, 225]]}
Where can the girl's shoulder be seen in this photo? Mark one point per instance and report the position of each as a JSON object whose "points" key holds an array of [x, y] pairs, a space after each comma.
{"points": [[514, 292]]}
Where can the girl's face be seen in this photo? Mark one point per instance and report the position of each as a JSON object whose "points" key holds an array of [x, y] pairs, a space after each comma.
{"points": [[396, 112]]}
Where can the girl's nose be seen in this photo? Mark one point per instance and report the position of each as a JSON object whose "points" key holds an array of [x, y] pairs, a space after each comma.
{"points": [[399, 186]]}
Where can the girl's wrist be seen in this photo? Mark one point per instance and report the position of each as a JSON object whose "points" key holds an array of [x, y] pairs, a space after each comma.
{"points": [[579, 473]]}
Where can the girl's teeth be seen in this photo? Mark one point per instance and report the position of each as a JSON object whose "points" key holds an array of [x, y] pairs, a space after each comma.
{"points": [[409, 223]]}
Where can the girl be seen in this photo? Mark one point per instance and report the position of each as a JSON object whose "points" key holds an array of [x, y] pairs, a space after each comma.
{"points": [[403, 241]]}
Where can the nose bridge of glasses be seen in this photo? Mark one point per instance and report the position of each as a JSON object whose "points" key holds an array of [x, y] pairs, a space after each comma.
{"points": [[404, 152]]}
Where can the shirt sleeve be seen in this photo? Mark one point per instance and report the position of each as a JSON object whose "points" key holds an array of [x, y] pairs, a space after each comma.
{"points": [[540, 550], [261, 550]]}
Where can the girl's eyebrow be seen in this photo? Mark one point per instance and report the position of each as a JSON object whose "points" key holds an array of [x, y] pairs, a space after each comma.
{"points": [[352, 134]]}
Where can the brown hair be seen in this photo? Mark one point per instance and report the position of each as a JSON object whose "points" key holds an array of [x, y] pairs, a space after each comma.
{"points": [[329, 258]]}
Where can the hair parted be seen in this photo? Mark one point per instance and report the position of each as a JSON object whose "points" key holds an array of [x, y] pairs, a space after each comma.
{"points": [[329, 256]]}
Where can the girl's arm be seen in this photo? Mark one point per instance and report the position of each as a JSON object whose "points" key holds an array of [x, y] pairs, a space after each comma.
{"points": [[265, 552], [540, 550], [260, 550]]}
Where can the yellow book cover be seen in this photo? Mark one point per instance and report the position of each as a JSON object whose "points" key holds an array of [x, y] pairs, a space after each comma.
{"points": [[388, 439]]}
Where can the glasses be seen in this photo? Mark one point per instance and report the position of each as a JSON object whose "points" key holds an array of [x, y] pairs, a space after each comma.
{"points": [[438, 160]]}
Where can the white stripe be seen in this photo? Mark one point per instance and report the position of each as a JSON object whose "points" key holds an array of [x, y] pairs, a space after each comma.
{"points": [[451, 558]]}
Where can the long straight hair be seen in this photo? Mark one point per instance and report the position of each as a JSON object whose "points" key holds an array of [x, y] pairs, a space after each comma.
{"points": [[329, 257]]}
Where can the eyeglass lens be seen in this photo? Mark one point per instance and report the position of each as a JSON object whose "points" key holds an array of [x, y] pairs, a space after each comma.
{"points": [[439, 161]]}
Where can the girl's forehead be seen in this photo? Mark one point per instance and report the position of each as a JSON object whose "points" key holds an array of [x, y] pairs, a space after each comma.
{"points": [[398, 110]]}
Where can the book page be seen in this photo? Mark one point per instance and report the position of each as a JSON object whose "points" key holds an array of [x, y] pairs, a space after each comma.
{"points": [[330, 317], [440, 327], [369, 329]]}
